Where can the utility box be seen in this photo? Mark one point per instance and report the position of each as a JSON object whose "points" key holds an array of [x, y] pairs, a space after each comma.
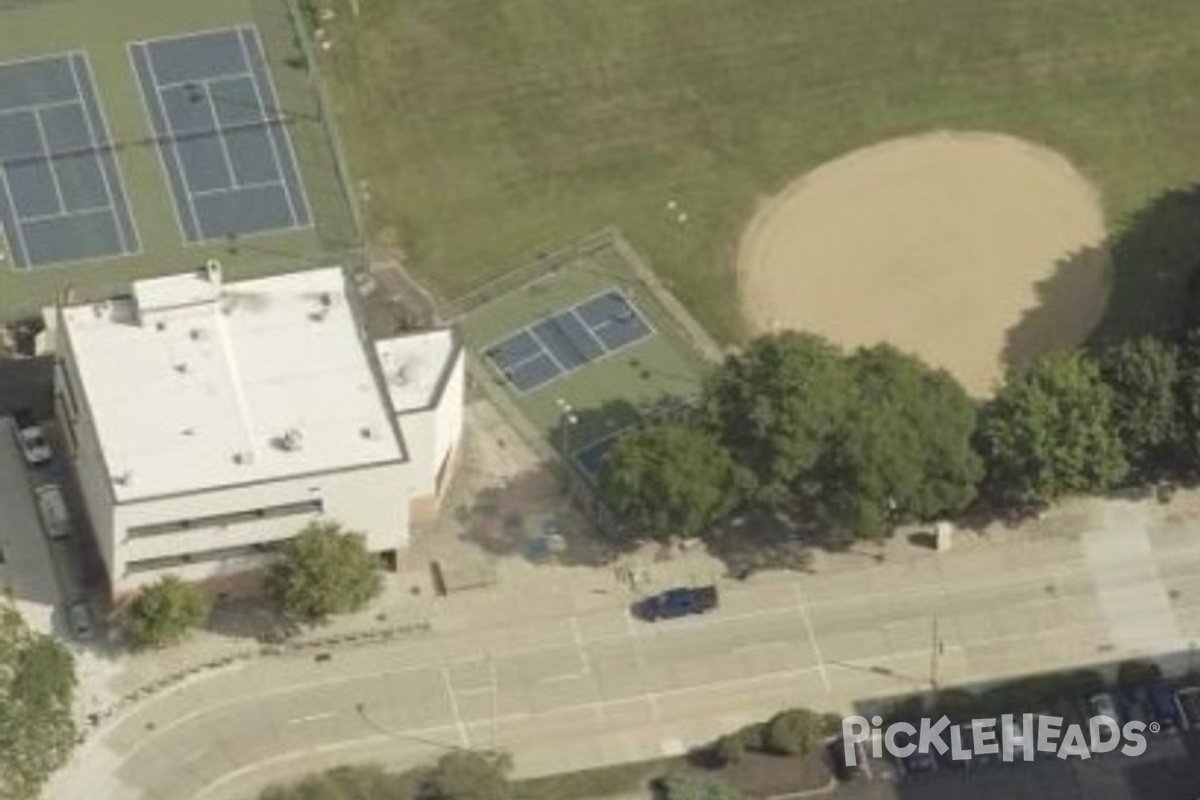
{"points": [[942, 534]]}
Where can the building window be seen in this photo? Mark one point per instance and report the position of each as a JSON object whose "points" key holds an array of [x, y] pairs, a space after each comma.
{"points": [[69, 427], [69, 386], [200, 557], [303, 507]]}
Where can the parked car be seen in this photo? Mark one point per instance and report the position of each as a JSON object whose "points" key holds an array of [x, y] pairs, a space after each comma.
{"points": [[843, 770], [916, 763], [1165, 707], [30, 438], [1189, 700], [679, 602], [79, 617], [1103, 705], [53, 510], [1135, 704]]}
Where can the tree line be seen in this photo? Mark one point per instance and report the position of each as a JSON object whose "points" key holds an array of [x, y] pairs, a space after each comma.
{"points": [[856, 443]]}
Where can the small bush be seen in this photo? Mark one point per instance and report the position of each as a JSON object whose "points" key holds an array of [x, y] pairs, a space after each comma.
{"points": [[793, 732]]}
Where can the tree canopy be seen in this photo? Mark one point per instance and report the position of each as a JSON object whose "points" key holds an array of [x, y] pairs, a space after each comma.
{"points": [[1051, 431], [670, 478], [1144, 376], [903, 450], [164, 612], [777, 404], [37, 684], [324, 571]]}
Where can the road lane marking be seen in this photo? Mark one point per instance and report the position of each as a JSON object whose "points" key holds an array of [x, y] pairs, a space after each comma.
{"points": [[812, 639], [454, 709], [312, 718]]}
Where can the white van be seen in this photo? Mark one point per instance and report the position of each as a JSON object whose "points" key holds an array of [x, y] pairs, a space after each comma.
{"points": [[55, 520]]}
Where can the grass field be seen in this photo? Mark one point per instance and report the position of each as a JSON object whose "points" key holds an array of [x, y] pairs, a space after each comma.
{"points": [[491, 129], [102, 29]]}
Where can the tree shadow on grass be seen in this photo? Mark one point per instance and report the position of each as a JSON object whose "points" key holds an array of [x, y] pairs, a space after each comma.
{"points": [[1153, 253], [756, 541], [1071, 304], [530, 516], [1148, 260]]}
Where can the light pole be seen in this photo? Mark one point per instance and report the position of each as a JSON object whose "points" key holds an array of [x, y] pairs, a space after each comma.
{"points": [[566, 418]]}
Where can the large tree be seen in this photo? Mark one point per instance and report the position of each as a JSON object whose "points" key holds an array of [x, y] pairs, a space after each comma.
{"points": [[1144, 376], [1051, 431], [777, 404], [37, 730], [164, 612], [903, 451], [324, 571], [669, 478]]}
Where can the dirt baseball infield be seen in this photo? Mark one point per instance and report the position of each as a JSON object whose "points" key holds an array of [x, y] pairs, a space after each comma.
{"points": [[937, 244]]}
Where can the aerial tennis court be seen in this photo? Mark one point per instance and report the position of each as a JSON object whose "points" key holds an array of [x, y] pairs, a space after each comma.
{"points": [[561, 343], [61, 194], [222, 136]]}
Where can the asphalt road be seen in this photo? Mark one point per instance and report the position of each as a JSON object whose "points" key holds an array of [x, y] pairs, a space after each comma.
{"points": [[584, 685]]}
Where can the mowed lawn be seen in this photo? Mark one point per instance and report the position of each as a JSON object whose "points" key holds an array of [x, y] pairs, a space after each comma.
{"points": [[490, 130]]}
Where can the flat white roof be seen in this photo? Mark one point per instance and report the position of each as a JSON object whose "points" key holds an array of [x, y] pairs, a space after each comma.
{"points": [[413, 367], [266, 379]]}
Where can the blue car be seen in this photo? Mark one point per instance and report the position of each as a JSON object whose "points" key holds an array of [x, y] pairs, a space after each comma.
{"points": [[1165, 707], [1136, 705], [674, 603]]}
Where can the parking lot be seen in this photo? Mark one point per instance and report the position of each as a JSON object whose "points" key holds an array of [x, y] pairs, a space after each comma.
{"points": [[1168, 770], [46, 576]]}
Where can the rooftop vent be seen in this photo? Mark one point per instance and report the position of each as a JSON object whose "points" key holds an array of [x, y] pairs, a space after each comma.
{"points": [[196, 333], [181, 367], [212, 271], [291, 441], [243, 457], [123, 478]]}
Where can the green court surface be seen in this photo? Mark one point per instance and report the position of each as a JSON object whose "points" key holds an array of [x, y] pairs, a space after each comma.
{"points": [[102, 31], [592, 402]]}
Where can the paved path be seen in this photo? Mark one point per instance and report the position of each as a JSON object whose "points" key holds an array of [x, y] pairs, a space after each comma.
{"points": [[550, 665]]}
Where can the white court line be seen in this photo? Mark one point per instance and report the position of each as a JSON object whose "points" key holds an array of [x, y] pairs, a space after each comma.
{"points": [[220, 130], [39, 106], [12, 205], [159, 146], [78, 212], [41, 129], [259, 185], [586, 327], [220, 76], [454, 709], [542, 344], [812, 639], [263, 110]]}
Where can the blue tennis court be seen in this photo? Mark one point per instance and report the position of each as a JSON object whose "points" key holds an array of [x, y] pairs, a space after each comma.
{"points": [[61, 194], [222, 137], [556, 345]]}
